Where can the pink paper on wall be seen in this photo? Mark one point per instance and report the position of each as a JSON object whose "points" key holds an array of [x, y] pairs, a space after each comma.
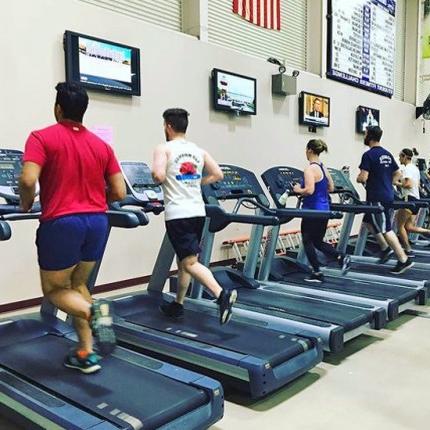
{"points": [[105, 132]]}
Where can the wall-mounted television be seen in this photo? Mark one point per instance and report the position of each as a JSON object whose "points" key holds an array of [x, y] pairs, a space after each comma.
{"points": [[234, 93], [365, 117], [102, 65], [314, 110]]}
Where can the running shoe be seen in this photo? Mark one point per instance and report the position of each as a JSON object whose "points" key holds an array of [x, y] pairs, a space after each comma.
{"points": [[101, 326], [86, 362], [226, 301], [172, 310]]}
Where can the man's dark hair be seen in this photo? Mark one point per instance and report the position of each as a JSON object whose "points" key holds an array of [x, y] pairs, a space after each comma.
{"points": [[73, 100], [177, 119], [374, 133]]}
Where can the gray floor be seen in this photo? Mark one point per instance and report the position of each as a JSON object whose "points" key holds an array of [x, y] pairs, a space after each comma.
{"points": [[381, 381]]}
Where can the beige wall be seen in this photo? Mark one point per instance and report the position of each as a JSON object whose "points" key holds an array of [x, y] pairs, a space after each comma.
{"points": [[175, 72]]}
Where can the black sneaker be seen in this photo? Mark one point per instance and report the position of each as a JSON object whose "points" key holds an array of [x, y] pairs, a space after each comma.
{"points": [[345, 264], [172, 310], [101, 326], [385, 255], [316, 277], [402, 267], [410, 254], [226, 301], [86, 362]]}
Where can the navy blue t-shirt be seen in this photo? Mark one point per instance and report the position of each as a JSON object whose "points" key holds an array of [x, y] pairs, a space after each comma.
{"points": [[381, 165]]}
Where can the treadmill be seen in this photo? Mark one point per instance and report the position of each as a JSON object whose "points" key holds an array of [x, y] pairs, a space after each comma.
{"points": [[248, 353], [132, 391], [335, 321], [369, 268], [291, 270]]}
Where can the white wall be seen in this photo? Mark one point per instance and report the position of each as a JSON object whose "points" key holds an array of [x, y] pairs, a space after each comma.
{"points": [[175, 72]]}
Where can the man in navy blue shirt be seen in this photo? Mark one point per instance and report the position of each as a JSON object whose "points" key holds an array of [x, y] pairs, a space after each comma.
{"points": [[378, 171]]}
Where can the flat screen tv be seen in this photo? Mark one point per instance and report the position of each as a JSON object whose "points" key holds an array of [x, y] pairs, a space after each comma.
{"points": [[364, 117], [234, 93], [314, 110], [102, 65]]}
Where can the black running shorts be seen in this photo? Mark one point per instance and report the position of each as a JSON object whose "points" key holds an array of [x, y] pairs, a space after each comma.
{"points": [[185, 235]]}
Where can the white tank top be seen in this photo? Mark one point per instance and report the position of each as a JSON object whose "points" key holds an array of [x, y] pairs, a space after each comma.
{"points": [[182, 193]]}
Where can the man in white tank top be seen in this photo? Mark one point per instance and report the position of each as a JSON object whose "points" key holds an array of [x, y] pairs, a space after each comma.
{"points": [[178, 166]]}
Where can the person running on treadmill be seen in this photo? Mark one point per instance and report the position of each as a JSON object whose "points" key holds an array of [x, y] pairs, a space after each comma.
{"points": [[73, 167], [178, 166], [378, 172], [315, 191], [409, 185]]}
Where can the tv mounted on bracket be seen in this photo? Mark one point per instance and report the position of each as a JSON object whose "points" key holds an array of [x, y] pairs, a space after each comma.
{"points": [[314, 110], [365, 117], [234, 93], [102, 65]]}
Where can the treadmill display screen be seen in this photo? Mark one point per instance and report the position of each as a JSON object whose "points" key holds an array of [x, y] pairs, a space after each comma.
{"points": [[9, 172], [140, 177], [287, 178], [233, 185]]}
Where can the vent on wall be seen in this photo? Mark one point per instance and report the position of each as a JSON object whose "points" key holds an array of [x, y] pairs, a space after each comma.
{"points": [[164, 13], [230, 30]]}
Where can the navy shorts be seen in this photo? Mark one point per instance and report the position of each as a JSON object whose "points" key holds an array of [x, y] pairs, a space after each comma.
{"points": [[185, 235], [67, 240], [381, 222]]}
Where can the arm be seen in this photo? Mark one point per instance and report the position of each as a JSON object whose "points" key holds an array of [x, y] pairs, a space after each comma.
{"points": [[27, 184], [159, 164], [309, 187], [329, 179], [362, 176], [212, 169], [397, 178], [116, 188]]}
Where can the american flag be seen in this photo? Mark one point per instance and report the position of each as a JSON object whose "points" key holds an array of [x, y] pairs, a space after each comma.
{"points": [[265, 13]]}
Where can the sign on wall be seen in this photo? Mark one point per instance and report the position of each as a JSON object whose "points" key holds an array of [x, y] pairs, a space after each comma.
{"points": [[361, 43]]}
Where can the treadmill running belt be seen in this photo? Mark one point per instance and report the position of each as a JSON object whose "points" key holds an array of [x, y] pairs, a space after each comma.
{"points": [[349, 286], [345, 316], [414, 274], [134, 393], [273, 346]]}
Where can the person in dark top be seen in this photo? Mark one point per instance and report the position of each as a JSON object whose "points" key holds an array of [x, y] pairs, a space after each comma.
{"points": [[316, 109], [78, 174], [378, 172], [315, 190]]}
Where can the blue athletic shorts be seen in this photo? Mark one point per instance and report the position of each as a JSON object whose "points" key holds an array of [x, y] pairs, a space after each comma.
{"points": [[381, 222], [67, 240]]}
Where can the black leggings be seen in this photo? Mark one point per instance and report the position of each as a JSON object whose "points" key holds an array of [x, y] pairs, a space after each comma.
{"points": [[313, 232]]}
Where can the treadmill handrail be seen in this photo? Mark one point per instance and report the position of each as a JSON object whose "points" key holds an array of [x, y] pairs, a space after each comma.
{"points": [[118, 207], [357, 208], [220, 219], [399, 204], [123, 218]]}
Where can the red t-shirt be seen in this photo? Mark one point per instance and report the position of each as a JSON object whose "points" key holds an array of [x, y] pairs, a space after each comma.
{"points": [[75, 165]]}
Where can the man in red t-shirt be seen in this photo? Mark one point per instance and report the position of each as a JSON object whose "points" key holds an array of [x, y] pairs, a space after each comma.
{"points": [[73, 167]]}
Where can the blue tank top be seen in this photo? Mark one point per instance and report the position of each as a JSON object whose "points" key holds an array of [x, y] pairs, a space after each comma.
{"points": [[319, 200]]}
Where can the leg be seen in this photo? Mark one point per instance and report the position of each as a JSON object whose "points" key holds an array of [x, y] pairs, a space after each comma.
{"points": [[379, 237], [201, 274], [56, 288], [412, 228], [402, 217], [394, 244], [80, 276], [184, 280], [308, 244], [320, 228]]}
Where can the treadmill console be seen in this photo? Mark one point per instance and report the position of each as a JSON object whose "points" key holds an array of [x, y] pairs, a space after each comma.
{"points": [[139, 182], [342, 184], [237, 183], [280, 180], [10, 170]]}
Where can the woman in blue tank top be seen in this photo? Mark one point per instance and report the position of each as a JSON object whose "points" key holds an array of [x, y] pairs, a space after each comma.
{"points": [[315, 190]]}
